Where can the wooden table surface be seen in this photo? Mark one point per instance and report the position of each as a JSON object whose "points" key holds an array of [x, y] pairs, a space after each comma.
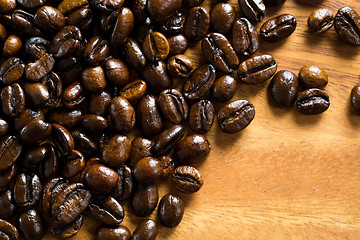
{"points": [[287, 175]]}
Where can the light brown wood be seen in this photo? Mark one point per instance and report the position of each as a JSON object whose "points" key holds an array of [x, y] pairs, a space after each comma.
{"points": [[287, 175]]}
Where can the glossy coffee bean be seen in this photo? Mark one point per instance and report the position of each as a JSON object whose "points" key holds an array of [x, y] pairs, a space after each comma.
{"points": [[7, 176], [72, 164], [73, 95], [93, 123], [12, 46], [116, 151], [10, 149], [355, 99], [123, 27], [93, 79], [139, 9], [68, 118], [96, 50], [124, 185], [202, 115], [145, 199], [313, 77], [40, 68], [140, 148], [235, 116], [223, 17], [27, 189], [26, 116], [69, 69], [7, 205], [31, 3], [107, 210], [147, 170], [3, 33], [36, 46], [35, 132], [67, 6], [37, 94], [147, 229], [62, 139], [4, 126], [12, 100], [178, 44], [99, 102], [166, 140], [24, 22], [50, 192], [32, 225], [109, 233], [148, 116], [168, 165], [49, 166], [8, 230], [122, 114], [192, 3], [7, 6], [278, 28], [155, 46], [186, 179], [66, 42], [224, 88], [257, 69], [116, 71], [133, 91], [81, 18], [106, 5], [156, 77], [197, 23], [173, 24], [49, 19], [191, 149], [134, 54], [160, 10], [53, 84], [347, 24], [180, 66], [170, 210], [283, 88], [33, 157], [320, 20], [199, 82], [173, 106], [64, 231], [245, 37], [312, 101], [254, 10], [11, 70]]}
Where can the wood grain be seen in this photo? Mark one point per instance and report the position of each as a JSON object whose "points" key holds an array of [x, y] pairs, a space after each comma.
{"points": [[286, 176]]}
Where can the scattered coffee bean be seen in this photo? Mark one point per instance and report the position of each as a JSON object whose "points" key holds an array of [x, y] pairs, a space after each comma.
{"points": [[312, 101]]}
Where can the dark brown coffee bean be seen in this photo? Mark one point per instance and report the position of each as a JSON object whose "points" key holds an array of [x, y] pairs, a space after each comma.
{"points": [[155, 46], [257, 69], [64, 117], [61, 231], [69, 69], [27, 189], [199, 82], [313, 77], [66, 42], [124, 185], [40, 68], [133, 91], [186, 179], [355, 99], [122, 114], [274, 2], [159, 10], [24, 23], [7, 176], [173, 24], [8, 231], [145, 199], [202, 115], [33, 157], [347, 25], [134, 54], [116, 151], [35, 132], [224, 88], [148, 116], [312, 101], [93, 123], [84, 143], [62, 139], [50, 165], [173, 106], [37, 94], [36, 47], [192, 149], [73, 163], [11, 70], [110, 233], [99, 102], [116, 71], [147, 229], [67, 6], [180, 66], [32, 225], [166, 140], [139, 9], [147, 170], [73, 95], [7, 6], [53, 84], [12, 46], [245, 37], [7, 205], [3, 32], [123, 27], [4, 126], [12, 100], [253, 9], [107, 210], [197, 23], [192, 3], [223, 17], [170, 210], [155, 75], [107, 5], [178, 44], [278, 28], [284, 88], [26, 116], [96, 50], [10, 151], [31, 3], [140, 148], [93, 79], [49, 19], [81, 18], [168, 165], [320, 20], [100, 178], [50, 192]]}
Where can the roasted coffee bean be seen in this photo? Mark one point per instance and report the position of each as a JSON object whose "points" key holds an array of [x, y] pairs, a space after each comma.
{"points": [[40, 68], [31, 3], [96, 50], [245, 37], [81, 18], [27, 189], [347, 25], [69, 69], [123, 27], [50, 165], [178, 44], [320, 20], [224, 88], [133, 91], [147, 229], [70, 203], [12, 100], [11, 70], [140, 148], [4, 126], [10, 151], [122, 114], [107, 5], [67, 6], [67, 118], [274, 2], [7, 6], [54, 86], [173, 24], [33, 157], [7, 176], [168, 165], [155, 75], [12, 46], [8, 231], [197, 23], [283, 88], [66, 42], [313, 77], [192, 3], [116, 151], [94, 123], [7, 205], [160, 10], [186, 179], [84, 143], [72, 164], [24, 22], [73, 95], [139, 9], [134, 54], [3, 33], [26, 116], [50, 192], [199, 82], [355, 99], [202, 115], [93, 79], [148, 116], [312, 101], [180, 66], [253, 9], [145, 199], [124, 185], [110, 233], [99, 102], [223, 17], [61, 231], [107, 210], [32, 225], [173, 106], [170, 210], [37, 94], [278, 28], [147, 170], [62, 139], [36, 47], [116, 71], [49, 19], [155, 46], [166, 140], [257, 69], [192, 149], [35, 132]]}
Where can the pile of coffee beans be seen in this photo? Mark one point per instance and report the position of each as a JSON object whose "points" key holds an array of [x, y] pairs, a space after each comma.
{"points": [[78, 76]]}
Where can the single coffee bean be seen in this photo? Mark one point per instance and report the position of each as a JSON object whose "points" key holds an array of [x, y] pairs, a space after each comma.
{"points": [[147, 170], [81, 18], [11, 70], [148, 116], [12, 100], [35, 132], [283, 88], [355, 99], [106, 5], [73, 95], [123, 27], [116, 151], [166, 140], [66, 42], [26, 116], [224, 88], [50, 164], [107, 210], [40, 68], [320, 20], [313, 77], [10, 151], [7, 205], [99, 102], [278, 28], [116, 71], [122, 114], [49, 19], [147, 229], [202, 115], [134, 54], [7, 6], [312, 101], [7, 176], [96, 50], [33, 157], [192, 149], [235, 116], [8, 231], [133, 91], [68, 118], [37, 94], [4, 126], [253, 9], [186, 179], [173, 24], [3, 33], [64, 231], [24, 23], [156, 76], [93, 123], [199, 82], [69, 69], [180, 66], [197, 23], [62, 139], [110, 233], [100, 178], [53, 84], [139, 9], [67, 6], [31, 3], [223, 17], [173, 106], [32, 225], [257, 69], [178, 44], [72, 164], [36, 47], [347, 25], [168, 165], [140, 148], [93, 79], [12, 46], [124, 185], [27, 189], [145, 199], [159, 10], [245, 37], [50, 192], [170, 210], [155, 46]]}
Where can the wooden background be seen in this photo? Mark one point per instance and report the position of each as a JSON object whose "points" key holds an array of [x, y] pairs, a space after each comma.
{"points": [[287, 175]]}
